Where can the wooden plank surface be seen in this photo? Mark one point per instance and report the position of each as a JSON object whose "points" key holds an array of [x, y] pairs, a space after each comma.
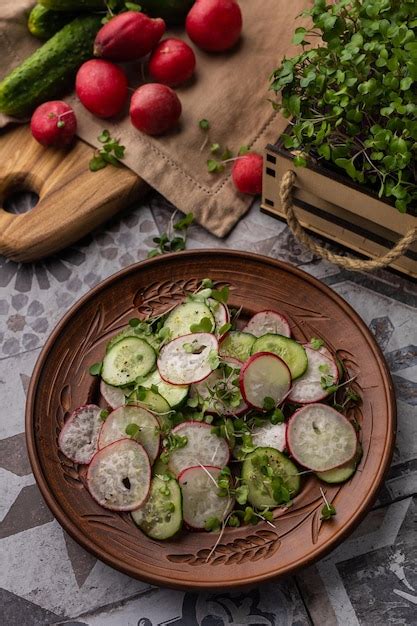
{"points": [[72, 200]]}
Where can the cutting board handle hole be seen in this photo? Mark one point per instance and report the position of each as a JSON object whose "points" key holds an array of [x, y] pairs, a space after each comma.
{"points": [[20, 201]]}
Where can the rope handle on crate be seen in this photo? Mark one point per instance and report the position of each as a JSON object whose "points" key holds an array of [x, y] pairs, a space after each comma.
{"points": [[287, 185]]}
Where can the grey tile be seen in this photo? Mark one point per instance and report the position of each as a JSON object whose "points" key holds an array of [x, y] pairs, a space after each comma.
{"points": [[15, 611], [370, 578]]}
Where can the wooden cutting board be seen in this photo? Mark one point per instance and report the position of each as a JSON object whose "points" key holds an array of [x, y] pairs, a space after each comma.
{"points": [[72, 200]]}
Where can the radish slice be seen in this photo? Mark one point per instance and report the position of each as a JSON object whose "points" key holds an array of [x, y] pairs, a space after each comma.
{"points": [[320, 438], [79, 435], [308, 387], [270, 436], [266, 322], [200, 500], [119, 476], [220, 313], [188, 359], [113, 396], [202, 447], [203, 391], [264, 375], [266, 436], [114, 428]]}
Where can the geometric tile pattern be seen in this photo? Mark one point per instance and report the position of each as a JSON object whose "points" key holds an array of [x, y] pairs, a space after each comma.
{"points": [[46, 578]]}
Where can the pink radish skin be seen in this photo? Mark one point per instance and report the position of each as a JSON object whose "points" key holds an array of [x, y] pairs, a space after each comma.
{"points": [[200, 499], [101, 87], [113, 396], [214, 25], [266, 322], [155, 109], [78, 439], [311, 433], [247, 173], [123, 462], [307, 389], [203, 447], [178, 367], [172, 62], [255, 387], [54, 124], [128, 36]]}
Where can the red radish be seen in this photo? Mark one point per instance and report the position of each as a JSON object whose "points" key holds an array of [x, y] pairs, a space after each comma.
{"points": [[54, 124], [264, 375], [202, 446], [79, 435], [128, 36], [102, 87], [220, 313], [113, 396], [114, 428], [187, 359], [200, 496], [308, 388], [119, 476], [320, 438], [172, 62], [247, 173], [214, 25], [155, 109], [266, 322]]}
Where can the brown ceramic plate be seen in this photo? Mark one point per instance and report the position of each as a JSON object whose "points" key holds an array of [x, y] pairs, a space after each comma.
{"points": [[246, 555]]}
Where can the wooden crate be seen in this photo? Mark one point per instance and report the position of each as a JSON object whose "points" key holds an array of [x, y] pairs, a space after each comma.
{"points": [[334, 207]]}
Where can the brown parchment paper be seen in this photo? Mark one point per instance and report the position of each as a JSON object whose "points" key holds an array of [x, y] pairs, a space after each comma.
{"points": [[230, 90]]}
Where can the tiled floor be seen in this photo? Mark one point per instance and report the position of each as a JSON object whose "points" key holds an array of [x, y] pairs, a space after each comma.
{"points": [[48, 579]]}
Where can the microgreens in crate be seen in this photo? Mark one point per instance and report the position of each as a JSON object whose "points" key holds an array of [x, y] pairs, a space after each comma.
{"points": [[352, 99]]}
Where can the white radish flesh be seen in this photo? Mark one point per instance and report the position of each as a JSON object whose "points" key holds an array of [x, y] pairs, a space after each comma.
{"points": [[266, 322], [270, 436], [188, 359], [119, 476], [114, 428], [202, 447], [320, 438], [200, 496], [264, 375], [308, 387], [113, 396], [79, 435]]}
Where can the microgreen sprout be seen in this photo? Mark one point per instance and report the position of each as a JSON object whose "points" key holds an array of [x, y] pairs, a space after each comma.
{"points": [[110, 153], [169, 241]]}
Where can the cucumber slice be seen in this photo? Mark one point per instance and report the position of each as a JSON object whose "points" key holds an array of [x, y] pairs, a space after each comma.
{"points": [[133, 332], [260, 485], [288, 349], [180, 320], [173, 394], [126, 360], [343, 472], [237, 345], [161, 516], [160, 468], [151, 400]]}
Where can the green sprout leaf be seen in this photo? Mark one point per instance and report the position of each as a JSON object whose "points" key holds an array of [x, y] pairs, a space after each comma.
{"points": [[205, 325], [328, 511], [316, 343], [95, 369], [204, 124], [212, 524], [132, 430]]}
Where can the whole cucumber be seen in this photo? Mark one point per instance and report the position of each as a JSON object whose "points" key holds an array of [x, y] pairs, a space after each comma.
{"points": [[43, 23], [48, 72], [73, 5], [172, 11]]}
